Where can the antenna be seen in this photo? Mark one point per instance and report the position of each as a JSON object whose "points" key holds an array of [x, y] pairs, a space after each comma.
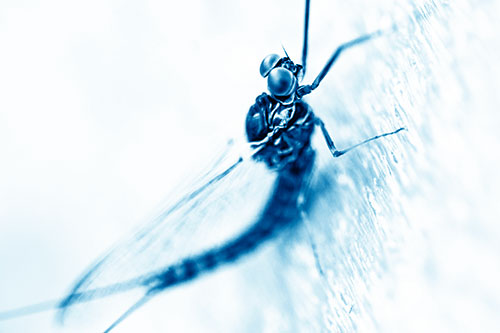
{"points": [[285, 51]]}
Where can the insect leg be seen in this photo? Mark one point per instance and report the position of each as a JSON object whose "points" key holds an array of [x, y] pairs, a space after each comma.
{"points": [[338, 51], [307, 89], [306, 34], [335, 152]]}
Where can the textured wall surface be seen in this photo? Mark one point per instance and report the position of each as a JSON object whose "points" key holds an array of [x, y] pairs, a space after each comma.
{"points": [[105, 106]]}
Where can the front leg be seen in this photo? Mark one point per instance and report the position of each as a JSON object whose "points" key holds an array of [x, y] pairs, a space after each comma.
{"points": [[328, 139], [337, 153]]}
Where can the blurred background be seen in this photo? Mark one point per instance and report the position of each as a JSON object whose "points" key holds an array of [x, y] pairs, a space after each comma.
{"points": [[105, 106]]}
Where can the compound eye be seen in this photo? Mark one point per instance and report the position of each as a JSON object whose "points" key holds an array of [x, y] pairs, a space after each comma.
{"points": [[268, 64], [281, 82]]}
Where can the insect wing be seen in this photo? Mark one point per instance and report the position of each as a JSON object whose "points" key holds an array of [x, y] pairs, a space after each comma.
{"points": [[225, 201]]}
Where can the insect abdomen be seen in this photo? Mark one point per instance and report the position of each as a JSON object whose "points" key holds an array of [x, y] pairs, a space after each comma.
{"points": [[282, 210]]}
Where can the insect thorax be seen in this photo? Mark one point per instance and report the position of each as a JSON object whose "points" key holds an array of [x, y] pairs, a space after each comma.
{"points": [[287, 126]]}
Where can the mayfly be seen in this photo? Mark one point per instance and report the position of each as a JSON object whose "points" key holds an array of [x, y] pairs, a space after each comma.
{"points": [[279, 127]]}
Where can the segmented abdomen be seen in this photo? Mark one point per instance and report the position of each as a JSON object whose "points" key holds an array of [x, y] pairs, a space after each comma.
{"points": [[282, 210]]}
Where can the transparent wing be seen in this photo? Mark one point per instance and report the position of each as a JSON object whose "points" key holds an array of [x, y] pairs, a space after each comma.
{"points": [[219, 206]]}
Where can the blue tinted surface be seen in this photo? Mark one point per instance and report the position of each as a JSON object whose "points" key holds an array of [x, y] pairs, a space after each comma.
{"points": [[106, 107]]}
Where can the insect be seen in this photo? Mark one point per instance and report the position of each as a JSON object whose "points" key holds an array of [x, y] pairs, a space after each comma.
{"points": [[279, 127]]}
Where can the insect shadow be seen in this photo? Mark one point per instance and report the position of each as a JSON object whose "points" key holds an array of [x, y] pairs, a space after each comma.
{"points": [[279, 127]]}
